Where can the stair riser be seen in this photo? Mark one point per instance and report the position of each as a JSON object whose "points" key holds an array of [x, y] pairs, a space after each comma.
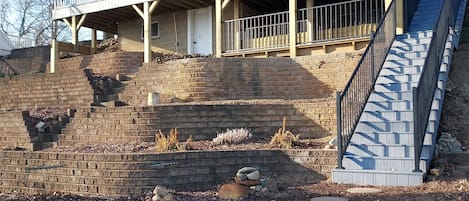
{"points": [[409, 48], [384, 79], [376, 178], [370, 115], [406, 127], [391, 139], [401, 70], [395, 165], [403, 56], [386, 151], [403, 63]]}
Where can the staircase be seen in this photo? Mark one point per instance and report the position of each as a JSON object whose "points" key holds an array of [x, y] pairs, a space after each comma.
{"points": [[381, 150]]}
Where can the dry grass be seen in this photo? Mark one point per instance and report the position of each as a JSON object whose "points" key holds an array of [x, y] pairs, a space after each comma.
{"points": [[167, 143], [284, 139], [232, 136]]}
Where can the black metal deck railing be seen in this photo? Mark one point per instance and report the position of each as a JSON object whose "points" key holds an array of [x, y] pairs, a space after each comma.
{"points": [[351, 101], [423, 93]]}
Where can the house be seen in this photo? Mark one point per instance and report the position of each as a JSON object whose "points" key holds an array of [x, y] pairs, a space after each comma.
{"points": [[226, 27]]}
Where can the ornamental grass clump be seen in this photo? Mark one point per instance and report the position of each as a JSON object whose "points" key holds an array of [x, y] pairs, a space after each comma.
{"points": [[232, 136], [284, 139], [167, 143]]}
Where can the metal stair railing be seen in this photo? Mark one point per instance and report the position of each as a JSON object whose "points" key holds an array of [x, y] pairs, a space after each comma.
{"points": [[351, 101], [423, 93], [5, 68]]}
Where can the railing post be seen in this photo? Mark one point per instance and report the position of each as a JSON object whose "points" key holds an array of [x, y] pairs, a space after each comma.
{"points": [[339, 131], [416, 130], [372, 58]]}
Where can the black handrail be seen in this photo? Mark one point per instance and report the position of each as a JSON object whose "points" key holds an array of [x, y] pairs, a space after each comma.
{"points": [[6, 69], [423, 93], [351, 102]]}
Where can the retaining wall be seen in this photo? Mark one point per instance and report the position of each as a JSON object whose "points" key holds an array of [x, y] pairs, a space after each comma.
{"points": [[124, 174]]}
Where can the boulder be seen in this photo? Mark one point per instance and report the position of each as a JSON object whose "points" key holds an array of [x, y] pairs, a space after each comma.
{"points": [[248, 173], [232, 191], [247, 182]]}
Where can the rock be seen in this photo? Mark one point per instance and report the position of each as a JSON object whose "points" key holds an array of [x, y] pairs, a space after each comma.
{"points": [[328, 147], [329, 199], [436, 171], [162, 194], [232, 191], [364, 190], [448, 144], [247, 182], [248, 173]]}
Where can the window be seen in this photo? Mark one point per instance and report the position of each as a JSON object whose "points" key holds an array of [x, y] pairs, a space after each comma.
{"points": [[155, 30]]}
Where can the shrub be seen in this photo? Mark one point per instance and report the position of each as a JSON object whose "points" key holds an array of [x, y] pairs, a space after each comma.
{"points": [[232, 136], [167, 143], [283, 138]]}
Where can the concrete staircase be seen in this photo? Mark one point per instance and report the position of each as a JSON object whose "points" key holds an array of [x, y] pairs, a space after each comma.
{"points": [[381, 151]]}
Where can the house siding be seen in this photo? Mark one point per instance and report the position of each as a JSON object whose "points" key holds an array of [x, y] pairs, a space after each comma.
{"points": [[130, 33]]}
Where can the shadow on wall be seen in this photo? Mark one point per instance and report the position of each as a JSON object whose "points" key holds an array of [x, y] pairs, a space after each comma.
{"points": [[202, 122], [30, 60], [133, 174], [208, 79]]}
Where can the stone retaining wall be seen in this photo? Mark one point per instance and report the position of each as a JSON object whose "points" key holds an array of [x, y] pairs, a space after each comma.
{"points": [[42, 90], [206, 79], [124, 174], [29, 60], [107, 63], [140, 124]]}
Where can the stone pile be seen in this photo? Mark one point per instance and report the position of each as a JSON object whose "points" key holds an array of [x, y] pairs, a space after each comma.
{"points": [[448, 144]]}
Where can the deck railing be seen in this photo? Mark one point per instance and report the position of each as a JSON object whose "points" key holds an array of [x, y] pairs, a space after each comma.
{"points": [[345, 20], [21, 42], [65, 3], [423, 93], [351, 101], [5, 69], [257, 32]]}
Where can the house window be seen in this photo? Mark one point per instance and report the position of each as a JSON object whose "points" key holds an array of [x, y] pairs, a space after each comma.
{"points": [[155, 30]]}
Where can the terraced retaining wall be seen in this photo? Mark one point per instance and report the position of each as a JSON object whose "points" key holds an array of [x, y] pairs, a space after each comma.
{"points": [[313, 119], [107, 63], [42, 90], [208, 79], [124, 174]]}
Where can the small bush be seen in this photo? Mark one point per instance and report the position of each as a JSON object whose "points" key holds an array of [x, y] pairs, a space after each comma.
{"points": [[232, 136], [283, 138], [167, 143], [189, 143]]}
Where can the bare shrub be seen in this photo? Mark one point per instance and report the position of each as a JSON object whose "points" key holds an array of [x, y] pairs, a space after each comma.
{"points": [[232, 136], [283, 138], [167, 143]]}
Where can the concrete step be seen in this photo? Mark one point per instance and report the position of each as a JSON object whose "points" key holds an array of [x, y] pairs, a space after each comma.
{"points": [[382, 150], [377, 178], [403, 63], [407, 55], [390, 96], [418, 34], [397, 164], [399, 48], [389, 138]]}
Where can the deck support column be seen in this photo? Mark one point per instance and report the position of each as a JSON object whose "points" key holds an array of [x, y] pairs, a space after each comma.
{"points": [[93, 41], [399, 15], [218, 28], [54, 52], [292, 27], [75, 27], [310, 16], [147, 34], [237, 27]]}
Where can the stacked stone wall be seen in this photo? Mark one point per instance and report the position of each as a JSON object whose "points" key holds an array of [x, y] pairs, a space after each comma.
{"points": [[124, 174], [207, 79]]}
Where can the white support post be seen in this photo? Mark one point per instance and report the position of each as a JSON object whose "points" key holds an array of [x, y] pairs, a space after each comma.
{"points": [[310, 16], [237, 25], [54, 54], [93, 41], [74, 30], [147, 32], [146, 15], [292, 27], [218, 28]]}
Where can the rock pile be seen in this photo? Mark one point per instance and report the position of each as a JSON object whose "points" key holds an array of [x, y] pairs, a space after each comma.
{"points": [[448, 144], [160, 193]]}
